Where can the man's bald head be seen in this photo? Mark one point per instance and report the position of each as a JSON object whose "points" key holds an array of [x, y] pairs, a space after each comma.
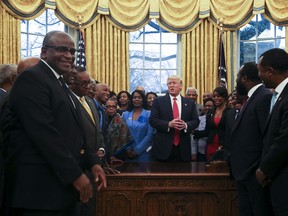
{"points": [[27, 63]]}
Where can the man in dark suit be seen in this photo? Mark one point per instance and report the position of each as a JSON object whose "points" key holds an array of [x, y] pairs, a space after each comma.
{"points": [[43, 138], [90, 117], [166, 146], [273, 168], [94, 138], [246, 146]]}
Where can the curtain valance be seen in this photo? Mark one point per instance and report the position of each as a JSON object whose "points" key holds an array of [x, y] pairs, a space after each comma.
{"points": [[173, 15]]}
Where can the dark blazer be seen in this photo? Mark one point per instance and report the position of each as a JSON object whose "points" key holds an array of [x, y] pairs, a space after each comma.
{"points": [[246, 144], [105, 119], [211, 129], [94, 136], [2, 93], [274, 161], [161, 115], [42, 142]]}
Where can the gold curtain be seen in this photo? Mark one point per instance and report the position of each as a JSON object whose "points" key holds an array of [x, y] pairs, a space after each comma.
{"points": [[10, 51], [76, 12], [129, 15], [179, 16], [24, 9], [200, 57], [234, 14], [107, 54], [277, 12], [173, 15]]}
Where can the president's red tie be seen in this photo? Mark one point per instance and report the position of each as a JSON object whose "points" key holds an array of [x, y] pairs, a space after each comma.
{"points": [[176, 138]]}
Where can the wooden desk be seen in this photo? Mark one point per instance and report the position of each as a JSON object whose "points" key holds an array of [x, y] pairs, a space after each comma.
{"points": [[164, 189]]}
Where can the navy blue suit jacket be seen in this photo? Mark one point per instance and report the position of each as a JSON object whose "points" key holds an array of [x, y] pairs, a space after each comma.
{"points": [[161, 115], [275, 147], [246, 135]]}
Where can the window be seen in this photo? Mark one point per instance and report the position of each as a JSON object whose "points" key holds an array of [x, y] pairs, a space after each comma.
{"points": [[153, 57], [33, 32], [259, 36]]}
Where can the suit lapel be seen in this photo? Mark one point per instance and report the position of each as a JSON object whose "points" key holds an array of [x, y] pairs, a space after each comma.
{"points": [[250, 100], [277, 103], [75, 110], [92, 107], [168, 104], [184, 107]]}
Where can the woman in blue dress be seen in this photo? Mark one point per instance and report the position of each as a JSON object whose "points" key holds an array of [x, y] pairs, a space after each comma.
{"points": [[137, 119]]}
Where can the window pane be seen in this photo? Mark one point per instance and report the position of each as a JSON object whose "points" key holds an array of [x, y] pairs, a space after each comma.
{"points": [[264, 46], [136, 56], [151, 80], [135, 78], [168, 59], [152, 35], [34, 31], [136, 36], [169, 38], [152, 56], [280, 43], [152, 61], [248, 32], [24, 25], [247, 52], [267, 33], [259, 36], [280, 31]]}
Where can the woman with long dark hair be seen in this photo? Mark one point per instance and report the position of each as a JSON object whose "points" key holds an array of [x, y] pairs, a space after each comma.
{"points": [[215, 123]]}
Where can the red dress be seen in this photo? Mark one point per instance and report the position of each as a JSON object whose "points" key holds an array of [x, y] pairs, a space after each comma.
{"points": [[213, 147]]}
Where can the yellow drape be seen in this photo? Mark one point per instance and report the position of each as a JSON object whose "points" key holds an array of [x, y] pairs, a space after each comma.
{"points": [[179, 16], [200, 57], [9, 38], [107, 54], [130, 15], [234, 14], [277, 12], [75, 12]]}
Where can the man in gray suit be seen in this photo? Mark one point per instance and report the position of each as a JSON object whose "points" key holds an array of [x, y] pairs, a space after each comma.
{"points": [[246, 145]]}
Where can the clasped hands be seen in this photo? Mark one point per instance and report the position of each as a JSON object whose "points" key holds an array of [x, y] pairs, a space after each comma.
{"points": [[84, 186], [177, 123]]}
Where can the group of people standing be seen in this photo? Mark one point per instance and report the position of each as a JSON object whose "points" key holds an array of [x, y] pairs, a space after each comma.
{"points": [[60, 130]]}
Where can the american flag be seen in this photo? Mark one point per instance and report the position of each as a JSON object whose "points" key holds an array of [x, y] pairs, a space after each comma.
{"points": [[81, 57], [222, 73]]}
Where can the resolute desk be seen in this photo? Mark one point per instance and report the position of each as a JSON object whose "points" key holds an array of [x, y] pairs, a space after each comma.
{"points": [[168, 189]]}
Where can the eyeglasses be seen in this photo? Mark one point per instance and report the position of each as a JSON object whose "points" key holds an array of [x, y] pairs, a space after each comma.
{"points": [[62, 49], [84, 83]]}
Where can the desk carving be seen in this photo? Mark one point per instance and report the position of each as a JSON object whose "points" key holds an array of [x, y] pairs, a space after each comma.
{"points": [[160, 189]]}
